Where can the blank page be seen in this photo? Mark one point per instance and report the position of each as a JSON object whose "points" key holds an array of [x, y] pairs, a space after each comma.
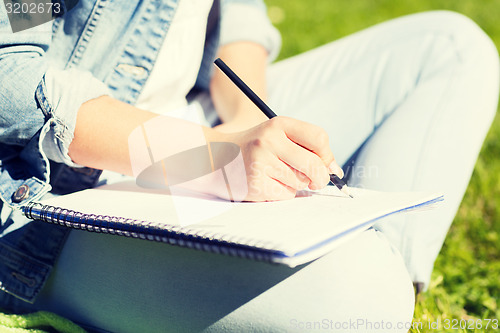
{"points": [[298, 230]]}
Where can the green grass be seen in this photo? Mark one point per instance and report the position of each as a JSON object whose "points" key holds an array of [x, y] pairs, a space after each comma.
{"points": [[466, 278]]}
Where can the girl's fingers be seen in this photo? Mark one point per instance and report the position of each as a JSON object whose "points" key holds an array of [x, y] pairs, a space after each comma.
{"points": [[309, 136], [284, 155], [268, 166], [287, 175], [305, 162]]}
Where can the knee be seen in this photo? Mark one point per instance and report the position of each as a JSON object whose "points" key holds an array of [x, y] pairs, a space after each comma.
{"points": [[361, 286], [370, 289], [477, 57], [387, 292], [456, 48], [470, 41]]}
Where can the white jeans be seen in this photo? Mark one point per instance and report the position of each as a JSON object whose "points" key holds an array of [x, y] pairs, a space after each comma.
{"points": [[420, 92]]}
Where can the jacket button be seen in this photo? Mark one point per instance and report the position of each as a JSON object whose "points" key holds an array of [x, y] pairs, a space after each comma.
{"points": [[21, 193]]}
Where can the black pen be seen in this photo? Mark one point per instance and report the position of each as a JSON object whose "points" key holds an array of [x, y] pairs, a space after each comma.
{"points": [[334, 179]]}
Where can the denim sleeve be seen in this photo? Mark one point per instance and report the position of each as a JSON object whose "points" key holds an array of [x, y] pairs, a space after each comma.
{"points": [[38, 107], [60, 95], [247, 20]]}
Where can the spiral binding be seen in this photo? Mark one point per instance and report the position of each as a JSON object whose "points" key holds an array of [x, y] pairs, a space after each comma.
{"points": [[167, 233]]}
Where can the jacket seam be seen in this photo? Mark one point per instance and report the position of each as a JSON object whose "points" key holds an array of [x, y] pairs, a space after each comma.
{"points": [[87, 33]]}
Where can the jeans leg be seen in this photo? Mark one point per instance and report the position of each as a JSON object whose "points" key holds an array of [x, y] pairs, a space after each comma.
{"points": [[421, 92], [432, 140], [117, 284]]}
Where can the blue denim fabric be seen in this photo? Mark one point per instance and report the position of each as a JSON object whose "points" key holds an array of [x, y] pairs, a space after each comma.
{"points": [[100, 47], [27, 256]]}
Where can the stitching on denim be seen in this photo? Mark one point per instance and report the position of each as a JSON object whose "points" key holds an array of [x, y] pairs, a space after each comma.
{"points": [[30, 282], [131, 88], [87, 32], [14, 259], [19, 259]]}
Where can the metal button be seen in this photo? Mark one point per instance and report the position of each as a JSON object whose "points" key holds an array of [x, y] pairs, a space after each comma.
{"points": [[22, 193]]}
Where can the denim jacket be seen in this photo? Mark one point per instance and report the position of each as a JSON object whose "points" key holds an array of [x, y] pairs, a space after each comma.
{"points": [[100, 47]]}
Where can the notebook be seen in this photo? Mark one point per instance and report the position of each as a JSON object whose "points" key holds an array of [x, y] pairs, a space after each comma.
{"points": [[290, 232]]}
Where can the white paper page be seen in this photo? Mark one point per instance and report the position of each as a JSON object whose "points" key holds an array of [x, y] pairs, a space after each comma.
{"points": [[291, 226]]}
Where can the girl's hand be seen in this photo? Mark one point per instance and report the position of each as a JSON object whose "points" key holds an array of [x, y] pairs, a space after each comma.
{"points": [[284, 155]]}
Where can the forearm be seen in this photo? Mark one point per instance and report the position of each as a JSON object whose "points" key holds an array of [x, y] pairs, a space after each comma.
{"points": [[103, 128], [249, 61], [276, 157]]}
